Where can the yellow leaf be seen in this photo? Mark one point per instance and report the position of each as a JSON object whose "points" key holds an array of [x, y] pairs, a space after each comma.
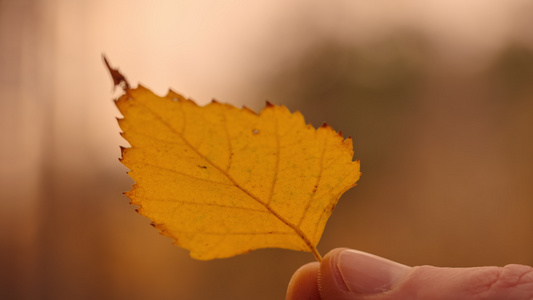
{"points": [[222, 181]]}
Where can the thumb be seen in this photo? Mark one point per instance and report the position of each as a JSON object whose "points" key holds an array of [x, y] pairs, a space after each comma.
{"points": [[346, 274]]}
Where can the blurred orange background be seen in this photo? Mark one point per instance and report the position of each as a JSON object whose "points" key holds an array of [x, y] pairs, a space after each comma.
{"points": [[437, 95]]}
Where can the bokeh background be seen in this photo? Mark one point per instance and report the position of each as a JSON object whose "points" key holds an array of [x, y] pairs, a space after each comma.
{"points": [[437, 95]]}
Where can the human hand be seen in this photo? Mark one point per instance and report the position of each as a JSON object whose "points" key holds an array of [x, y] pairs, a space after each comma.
{"points": [[346, 274]]}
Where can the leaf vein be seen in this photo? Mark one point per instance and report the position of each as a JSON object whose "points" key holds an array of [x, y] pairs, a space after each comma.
{"points": [[238, 232], [201, 204], [184, 174], [276, 167], [230, 148], [315, 187]]}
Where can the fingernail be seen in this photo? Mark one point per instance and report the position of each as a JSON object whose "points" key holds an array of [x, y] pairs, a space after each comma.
{"points": [[365, 273]]}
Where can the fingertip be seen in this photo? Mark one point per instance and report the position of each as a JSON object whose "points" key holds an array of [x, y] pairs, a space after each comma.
{"points": [[330, 281], [351, 274], [303, 284]]}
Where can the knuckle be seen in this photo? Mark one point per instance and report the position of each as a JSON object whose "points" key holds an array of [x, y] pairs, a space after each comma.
{"points": [[512, 282]]}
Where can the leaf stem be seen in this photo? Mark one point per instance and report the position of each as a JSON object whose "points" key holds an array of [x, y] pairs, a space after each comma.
{"points": [[316, 254]]}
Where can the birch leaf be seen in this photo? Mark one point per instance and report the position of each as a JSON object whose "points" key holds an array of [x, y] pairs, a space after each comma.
{"points": [[223, 181]]}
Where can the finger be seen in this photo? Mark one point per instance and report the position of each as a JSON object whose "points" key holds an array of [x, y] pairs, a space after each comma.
{"points": [[354, 275], [303, 284], [350, 275], [512, 282]]}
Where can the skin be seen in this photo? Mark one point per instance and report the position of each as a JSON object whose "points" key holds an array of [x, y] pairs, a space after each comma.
{"points": [[346, 274]]}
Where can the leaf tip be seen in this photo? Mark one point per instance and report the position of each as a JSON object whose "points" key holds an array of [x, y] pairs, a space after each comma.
{"points": [[117, 77]]}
